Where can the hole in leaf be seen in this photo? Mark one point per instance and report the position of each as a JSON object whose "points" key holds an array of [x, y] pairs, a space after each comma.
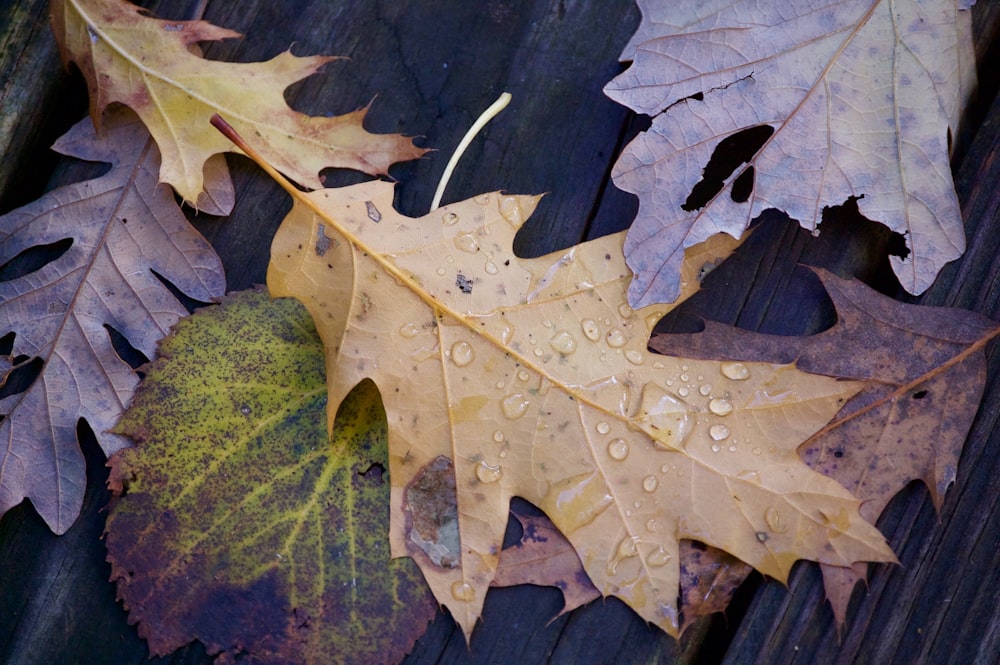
{"points": [[128, 353], [189, 303], [7, 343], [920, 394], [21, 376], [897, 246], [743, 185], [375, 473], [34, 258], [726, 158]]}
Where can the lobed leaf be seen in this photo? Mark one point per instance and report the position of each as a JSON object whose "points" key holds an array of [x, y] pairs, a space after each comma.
{"points": [[120, 232], [838, 99], [506, 377], [923, 370], [148, 65]]}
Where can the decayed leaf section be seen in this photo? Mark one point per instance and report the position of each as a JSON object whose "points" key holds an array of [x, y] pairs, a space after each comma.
{"points": [[858, 97], [503, 377], [245, 525], [148, 65], [123, 230], [923, 371]]}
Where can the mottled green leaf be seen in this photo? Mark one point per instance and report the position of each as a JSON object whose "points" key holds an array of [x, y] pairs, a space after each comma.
{"points": [[242, 525]]}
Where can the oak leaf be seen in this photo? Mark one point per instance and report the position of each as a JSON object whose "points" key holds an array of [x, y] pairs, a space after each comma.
{"points": [[923, 371], [831, 100], [117, 234], [148, 65], [245, 525], [507, 377]]}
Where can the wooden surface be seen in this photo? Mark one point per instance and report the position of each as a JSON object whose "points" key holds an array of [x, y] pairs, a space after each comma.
{"points": [[429, 67]]}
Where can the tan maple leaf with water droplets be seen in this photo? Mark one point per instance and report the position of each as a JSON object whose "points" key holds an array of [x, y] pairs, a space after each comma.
{"points": [[508, 377]]}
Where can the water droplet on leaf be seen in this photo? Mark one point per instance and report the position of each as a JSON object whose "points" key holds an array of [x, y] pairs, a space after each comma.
{"points": [[658, 558], [618, 449], [462, 354], [616, 338], [590, 329], [667, 419], [718, 432], [649, 483], [467, 243], [488, 473], [735, 371], [514, 406], [720, 406], [563, 342], [773, 519], [463, 591], [575, 502]]}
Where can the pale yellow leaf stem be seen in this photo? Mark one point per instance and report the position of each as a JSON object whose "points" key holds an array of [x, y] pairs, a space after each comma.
{"points": [[499, 105]]}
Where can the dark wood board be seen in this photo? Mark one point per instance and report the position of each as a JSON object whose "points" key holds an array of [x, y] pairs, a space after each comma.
{"points": [[428, 68]]}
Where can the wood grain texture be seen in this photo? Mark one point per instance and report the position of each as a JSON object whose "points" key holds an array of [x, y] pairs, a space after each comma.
{"points": [[428, 68]]}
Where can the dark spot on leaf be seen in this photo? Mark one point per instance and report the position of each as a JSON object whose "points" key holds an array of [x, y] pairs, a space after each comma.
{"points": [[920, 394], [431, 509], [322, 242], [373, 213], [463, 283], [762, 536]]}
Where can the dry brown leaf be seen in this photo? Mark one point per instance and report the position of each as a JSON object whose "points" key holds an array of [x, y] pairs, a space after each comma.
{"points": [[506, 377], [843, 98], [123, 227], [923, 369], [543, 557], [148, 65]]}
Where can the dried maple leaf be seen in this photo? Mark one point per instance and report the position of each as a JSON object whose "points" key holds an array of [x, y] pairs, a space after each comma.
{"points": [[505, 377], [147, 64], [125, 230], [838, 99], [923, 369], [245, 525]]}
